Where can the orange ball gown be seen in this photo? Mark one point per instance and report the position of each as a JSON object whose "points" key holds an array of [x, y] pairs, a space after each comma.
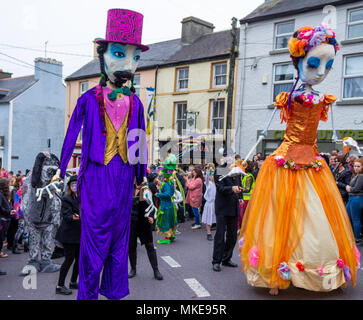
{"points": [[296, 216]]}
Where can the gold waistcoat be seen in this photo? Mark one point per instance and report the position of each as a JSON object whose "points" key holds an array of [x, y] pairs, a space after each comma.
{"points": [[116, 142]]}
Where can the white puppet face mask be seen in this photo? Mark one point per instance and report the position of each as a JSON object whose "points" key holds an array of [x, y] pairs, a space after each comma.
{"points": [[121, 61], [315, 66]]}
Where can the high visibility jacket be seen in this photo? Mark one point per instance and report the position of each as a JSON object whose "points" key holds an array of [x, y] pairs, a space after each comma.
{"points": [[247, 195]]}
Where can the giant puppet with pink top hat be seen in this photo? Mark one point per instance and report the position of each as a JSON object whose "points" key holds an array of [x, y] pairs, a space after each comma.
{"points": [[114, 154]]}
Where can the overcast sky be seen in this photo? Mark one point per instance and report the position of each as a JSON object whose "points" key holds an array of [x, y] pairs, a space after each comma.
{"points": [[69, 26]]}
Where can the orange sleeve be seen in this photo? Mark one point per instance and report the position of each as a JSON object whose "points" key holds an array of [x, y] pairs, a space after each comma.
{"points": [[328, 100], [281, 103]]}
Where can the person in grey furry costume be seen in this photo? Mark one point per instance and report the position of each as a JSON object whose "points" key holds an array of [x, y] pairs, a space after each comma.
{"points": [[41, 213]]}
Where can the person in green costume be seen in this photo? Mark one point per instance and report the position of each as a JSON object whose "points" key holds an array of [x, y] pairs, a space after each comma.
{"points": [[166, 219]]}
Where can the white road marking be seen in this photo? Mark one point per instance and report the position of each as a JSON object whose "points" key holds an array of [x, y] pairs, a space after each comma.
{"points": [[171, 262], [197, 287]]}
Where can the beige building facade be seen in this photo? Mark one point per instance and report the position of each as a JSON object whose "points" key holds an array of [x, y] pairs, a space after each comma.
{"points": [[199, 89]]}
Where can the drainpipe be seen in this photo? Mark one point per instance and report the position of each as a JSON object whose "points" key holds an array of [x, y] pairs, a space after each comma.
{"points": [[10, 134]]}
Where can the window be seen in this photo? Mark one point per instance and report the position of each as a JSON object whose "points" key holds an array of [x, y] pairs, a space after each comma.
{"points": [[83, 87], [283, 78], [353, 77], [219, 75], [182, 79], [283, 33], [180, 117], [355, 23], [137, 84], [217, 116]]}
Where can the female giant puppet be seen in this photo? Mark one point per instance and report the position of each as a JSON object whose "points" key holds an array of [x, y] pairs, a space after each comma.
{"points": [[296, 228], [114, 152]]}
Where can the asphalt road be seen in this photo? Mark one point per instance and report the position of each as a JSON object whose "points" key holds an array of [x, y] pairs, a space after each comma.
{"points": [[187, 270]]}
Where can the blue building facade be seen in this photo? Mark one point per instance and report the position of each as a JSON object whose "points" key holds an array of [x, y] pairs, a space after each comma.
{"points": [[32, 112]]}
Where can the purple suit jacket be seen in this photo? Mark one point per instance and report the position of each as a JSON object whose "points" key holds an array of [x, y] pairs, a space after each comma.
{"points": [[87, 113]]}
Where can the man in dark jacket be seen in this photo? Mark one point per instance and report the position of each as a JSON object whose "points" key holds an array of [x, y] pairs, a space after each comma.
{"points": [[226, 208]]}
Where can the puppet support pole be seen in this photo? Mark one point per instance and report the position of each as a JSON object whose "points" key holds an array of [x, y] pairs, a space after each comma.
{"points": [[260, 138]]}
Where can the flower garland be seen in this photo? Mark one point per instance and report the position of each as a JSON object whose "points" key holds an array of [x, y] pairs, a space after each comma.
{"points": [[317, 164], [307, 100], [310, 37]]}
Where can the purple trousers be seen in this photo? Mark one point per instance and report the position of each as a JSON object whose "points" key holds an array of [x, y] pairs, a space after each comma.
{"points": [[106, 200]]}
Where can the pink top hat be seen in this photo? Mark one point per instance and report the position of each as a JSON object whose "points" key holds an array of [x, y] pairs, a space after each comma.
{"points": [[124, 26]]}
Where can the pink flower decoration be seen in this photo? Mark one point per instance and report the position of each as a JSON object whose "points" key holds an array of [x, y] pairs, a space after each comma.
{"points": [[321, 271], [253, 256], [319, 158], [340, 263], [306, 35], [280, 161], [357, 255], [297, 167]]}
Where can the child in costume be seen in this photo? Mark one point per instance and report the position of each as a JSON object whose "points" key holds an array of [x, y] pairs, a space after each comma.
{"points": [[166, 219], [114, 153], [296, 229], [209, 215]]}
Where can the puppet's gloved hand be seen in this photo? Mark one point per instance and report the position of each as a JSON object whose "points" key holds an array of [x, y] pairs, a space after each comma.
{"points": [[56, 177]]}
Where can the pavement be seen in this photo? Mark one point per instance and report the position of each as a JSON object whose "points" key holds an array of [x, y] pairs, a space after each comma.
{"points": [[188, 275]]}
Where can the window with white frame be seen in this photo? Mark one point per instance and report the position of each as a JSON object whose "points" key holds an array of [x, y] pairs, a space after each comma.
{"points": [[219, 75], [353, 77], [182, 79], [83, 87], [136, 83], [180, 117], [217, 116], [283, 33], [355, 24], [283, 78]]}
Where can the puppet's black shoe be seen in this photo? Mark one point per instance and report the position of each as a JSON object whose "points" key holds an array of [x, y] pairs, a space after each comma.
{"points": [[157, 275], [132, 273]]}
